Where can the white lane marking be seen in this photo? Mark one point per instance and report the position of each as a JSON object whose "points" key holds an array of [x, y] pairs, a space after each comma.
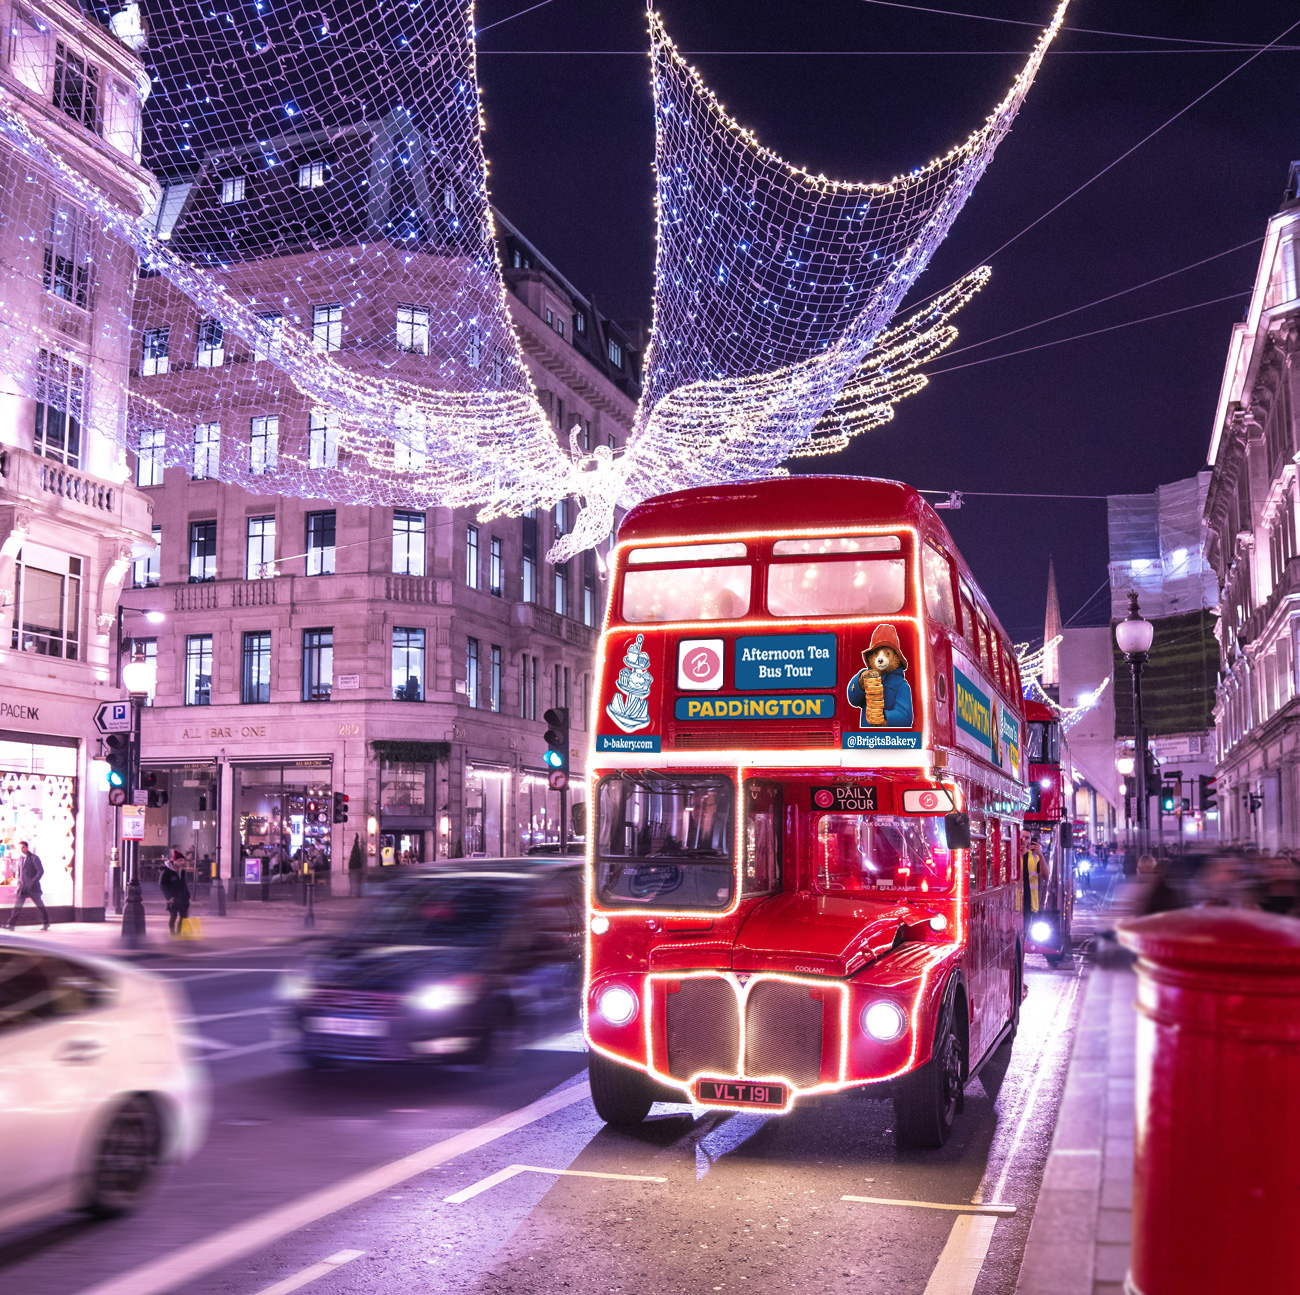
{"points": [[460, 1197], [227, 1016], [322, 1269], [570, 1041], [265, 1046], [217, 973], [962, 1256], [1002, 1211], [225, 1247]]}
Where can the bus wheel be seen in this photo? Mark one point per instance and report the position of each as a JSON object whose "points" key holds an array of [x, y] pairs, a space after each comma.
{"points": [[926, 1101], [621, 1095]]}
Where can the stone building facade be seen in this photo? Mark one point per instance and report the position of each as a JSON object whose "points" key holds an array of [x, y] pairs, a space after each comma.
{"points": [[401, 656], [70, 521], [1251, 511]]}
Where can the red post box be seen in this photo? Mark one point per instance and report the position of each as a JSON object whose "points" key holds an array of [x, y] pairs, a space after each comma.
{"points": [[1216, 1169]]}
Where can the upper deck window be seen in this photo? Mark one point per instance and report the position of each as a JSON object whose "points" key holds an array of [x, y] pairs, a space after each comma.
{"points": [[864, 854], [826, 544], [685, 553], [686, 594], [865, 587], [938, 585]]}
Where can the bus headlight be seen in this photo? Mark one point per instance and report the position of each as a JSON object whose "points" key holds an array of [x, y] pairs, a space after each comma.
{"points": [[1040, 932], [617, 1005], [884, 1021]]}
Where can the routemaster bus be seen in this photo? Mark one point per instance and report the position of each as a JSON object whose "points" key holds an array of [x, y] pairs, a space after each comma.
{"points": [[806, 775], [1051, 804]]}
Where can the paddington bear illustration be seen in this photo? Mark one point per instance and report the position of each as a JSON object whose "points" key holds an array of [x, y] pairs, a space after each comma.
{"points": [[880, 689]]}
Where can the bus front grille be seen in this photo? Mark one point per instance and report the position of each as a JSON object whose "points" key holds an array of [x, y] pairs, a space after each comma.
{"points": [[720, 738], [703, 1029], [783, 1033]]}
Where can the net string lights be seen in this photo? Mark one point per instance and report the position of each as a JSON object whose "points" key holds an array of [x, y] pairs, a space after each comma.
{"points": [[322, 309]]}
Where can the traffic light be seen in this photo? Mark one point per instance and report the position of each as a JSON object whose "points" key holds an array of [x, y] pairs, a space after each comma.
{"points": [[154, 781], [117, 751], [1209, 792], [340, 807], [557, 746], [1167, 800]]}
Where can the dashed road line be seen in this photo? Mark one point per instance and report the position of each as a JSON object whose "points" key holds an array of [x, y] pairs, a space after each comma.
{"points": [[322, 1269], [460, 1197]]}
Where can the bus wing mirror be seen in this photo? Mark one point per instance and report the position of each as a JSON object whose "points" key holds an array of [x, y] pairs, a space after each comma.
{"points": [[1067, 836], [957, 828]]}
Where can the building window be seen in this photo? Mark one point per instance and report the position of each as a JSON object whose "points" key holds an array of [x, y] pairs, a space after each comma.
{"points": [[255, 679], [144, 650], [550, 318], [270, 338], [153, 359], [47, 605], [76, 88], [323, 441], [615, 354], [413, 330], [589, 586], [264, 446], [495, 567], [260, 563], [198, 670], [474, 347], [203, 552], [471, 672], [580, 324], [471, 556], [559, 327], [207, 449], [561, 517], [560, 686], [562, 589], [494, 680], [311, 175], [586, 433], [67, 268], [212, 336], [408, 664], [327, 327], [232, 190], [529, 522], [528, 688], [60, 407], [559, 415], [317, 664], [320, 544], [408, 543], [147, 572], [449, 197]]}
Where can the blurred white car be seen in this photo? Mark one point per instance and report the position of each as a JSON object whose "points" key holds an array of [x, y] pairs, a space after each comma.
{"points": [[97, 1087]]}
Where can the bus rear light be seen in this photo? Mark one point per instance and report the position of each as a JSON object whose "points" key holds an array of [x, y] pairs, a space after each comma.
{"points": [[617, 1004], [883, 1021]]}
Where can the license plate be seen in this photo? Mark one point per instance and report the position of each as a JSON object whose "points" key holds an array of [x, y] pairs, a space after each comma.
{"points": [[739, 1093], [357, 1027]]}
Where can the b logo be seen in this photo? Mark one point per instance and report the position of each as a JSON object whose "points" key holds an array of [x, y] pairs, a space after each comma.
{"points": [[823, 798], [699, 665], [929, 800]]}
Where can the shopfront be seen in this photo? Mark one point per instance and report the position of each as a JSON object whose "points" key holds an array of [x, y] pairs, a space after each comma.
{"points": [[539, 810], [188, 821], [39, 804], [485, 809], [283, 814]]}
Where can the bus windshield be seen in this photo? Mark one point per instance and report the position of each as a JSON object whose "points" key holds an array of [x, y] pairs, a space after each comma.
{"points": [[665, 842], [859, 854], [1043, 742]]}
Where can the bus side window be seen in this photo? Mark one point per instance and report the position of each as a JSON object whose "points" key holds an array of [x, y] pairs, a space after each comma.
{"points": [[938, 585], [763, 832], [986, 655], [968, 619]]}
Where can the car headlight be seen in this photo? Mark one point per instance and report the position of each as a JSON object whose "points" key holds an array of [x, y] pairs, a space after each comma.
{"points": [[441, 996], [292, 986], [1040, 932], [884, 1021], [617, 1005]]}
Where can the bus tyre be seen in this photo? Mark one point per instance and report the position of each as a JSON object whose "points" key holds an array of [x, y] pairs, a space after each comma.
{"points": [[621, 1095], [926, 1102], [1017, 993]]}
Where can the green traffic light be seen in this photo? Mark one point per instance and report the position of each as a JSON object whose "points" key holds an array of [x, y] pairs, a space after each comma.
{"points": [[555, 759], [116, 778]]}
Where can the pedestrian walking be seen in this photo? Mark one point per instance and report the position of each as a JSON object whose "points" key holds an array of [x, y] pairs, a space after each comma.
{"points": [[1157, 895], [1034, 870], [176, 891], [30, 872]]}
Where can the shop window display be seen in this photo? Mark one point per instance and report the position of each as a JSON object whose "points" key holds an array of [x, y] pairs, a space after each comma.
{"points": [[38, 799], [283, 816]]}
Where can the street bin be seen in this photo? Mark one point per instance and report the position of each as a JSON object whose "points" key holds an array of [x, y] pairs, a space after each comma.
{"points": [[1216, 1168]]}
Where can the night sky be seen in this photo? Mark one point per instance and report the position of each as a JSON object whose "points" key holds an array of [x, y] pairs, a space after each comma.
{"points": [[570, 143]]}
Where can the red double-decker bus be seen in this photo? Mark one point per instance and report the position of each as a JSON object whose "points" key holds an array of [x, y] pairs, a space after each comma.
{"points": [[807, 805], [1051, 804]]}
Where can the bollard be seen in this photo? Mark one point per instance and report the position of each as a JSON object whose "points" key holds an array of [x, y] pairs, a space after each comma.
{"points": [[1216, 1167]]}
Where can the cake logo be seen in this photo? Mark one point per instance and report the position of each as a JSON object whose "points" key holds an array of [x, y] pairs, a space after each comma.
{"points": [[880, 689], [629, 707]]}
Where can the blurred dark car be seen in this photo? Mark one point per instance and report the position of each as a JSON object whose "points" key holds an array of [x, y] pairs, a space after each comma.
{"points": [[454, 965], [576, 849]]}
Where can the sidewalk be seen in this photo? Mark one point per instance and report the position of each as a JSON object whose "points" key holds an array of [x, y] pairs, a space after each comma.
{"points": [[247, 924]]}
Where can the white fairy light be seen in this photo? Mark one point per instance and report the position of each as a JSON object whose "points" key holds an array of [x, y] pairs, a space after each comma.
{"points": [[340, 168]]}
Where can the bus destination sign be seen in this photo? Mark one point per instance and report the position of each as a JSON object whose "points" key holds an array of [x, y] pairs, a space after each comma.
{"points": [[848, 798], [739, 1093]]}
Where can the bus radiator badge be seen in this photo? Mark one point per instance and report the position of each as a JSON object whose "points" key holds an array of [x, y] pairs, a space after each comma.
{"points": [[629, 707]]}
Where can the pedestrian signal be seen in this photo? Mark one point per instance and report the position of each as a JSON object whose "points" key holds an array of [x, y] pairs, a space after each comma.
{"points": [[1166, 802], [154, 781]]}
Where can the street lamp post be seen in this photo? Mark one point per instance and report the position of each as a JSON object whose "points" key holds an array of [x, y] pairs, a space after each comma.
{"points": [[1134, 635], [137, 678]]}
